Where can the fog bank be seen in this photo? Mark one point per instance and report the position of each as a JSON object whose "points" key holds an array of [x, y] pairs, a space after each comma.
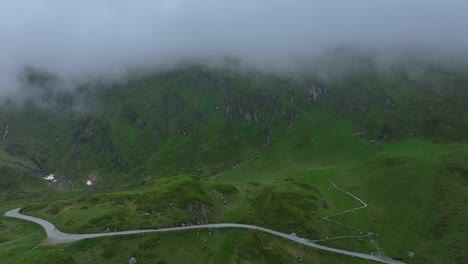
{"points": [[103, 39]]}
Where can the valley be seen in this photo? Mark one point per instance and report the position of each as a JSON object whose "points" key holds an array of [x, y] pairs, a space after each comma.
{"points": [[199, 147]]}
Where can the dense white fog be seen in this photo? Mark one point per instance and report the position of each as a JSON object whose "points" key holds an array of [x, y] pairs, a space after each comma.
{"points": [[103, 39]]}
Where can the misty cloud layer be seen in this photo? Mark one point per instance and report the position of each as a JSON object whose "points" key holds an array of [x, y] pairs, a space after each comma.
{"points": [[89, 38]]}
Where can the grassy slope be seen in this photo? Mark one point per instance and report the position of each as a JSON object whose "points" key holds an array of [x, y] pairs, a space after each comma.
{"points": [[18, 237], [204, 246], [414, 195], [20, 240], [414, 181], [401, 181]]}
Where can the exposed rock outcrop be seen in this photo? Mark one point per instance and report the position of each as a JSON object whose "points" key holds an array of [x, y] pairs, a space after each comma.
{"points": [[200, 212], [316, 91], [132, 260], [5, 132]]}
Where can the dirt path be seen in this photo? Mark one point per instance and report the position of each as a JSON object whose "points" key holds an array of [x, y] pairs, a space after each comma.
{"points": [[363, 233]]}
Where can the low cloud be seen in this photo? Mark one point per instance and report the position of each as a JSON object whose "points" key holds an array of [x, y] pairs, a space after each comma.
{"points": [[103, 39]]}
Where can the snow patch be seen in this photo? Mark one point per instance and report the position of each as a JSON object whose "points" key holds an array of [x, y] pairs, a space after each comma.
{"points": [[50, 178]]}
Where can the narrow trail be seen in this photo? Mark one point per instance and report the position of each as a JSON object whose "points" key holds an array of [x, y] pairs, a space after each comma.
{"points": [[254, 156], [340, 237], [54, 236], [20, 255], [364, 205], [364, 233]]}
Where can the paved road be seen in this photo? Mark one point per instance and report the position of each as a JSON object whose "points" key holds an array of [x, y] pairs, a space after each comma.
{"points": [[54, 236]]}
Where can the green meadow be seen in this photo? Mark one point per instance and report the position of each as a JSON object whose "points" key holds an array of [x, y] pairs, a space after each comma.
{"points": [[201, 145]]}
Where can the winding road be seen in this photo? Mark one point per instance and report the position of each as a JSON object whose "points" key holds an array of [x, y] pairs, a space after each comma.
{"points": [[54, 236]]}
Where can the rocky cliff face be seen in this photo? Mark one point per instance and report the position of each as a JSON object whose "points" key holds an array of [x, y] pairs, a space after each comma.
{"points": [[190, 121], [204, 121]]}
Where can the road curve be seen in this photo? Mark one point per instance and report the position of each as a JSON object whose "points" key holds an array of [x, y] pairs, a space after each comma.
{"points": [[54, 236]]}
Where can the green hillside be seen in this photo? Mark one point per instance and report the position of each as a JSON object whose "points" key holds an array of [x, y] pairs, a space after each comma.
{"points": [[202, 145]]}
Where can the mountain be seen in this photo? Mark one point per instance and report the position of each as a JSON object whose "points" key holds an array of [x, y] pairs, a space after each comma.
{"points": [[200, 144]]}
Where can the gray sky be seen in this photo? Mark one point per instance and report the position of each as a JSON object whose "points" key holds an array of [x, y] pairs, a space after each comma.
{"points": [[86, 38]]}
